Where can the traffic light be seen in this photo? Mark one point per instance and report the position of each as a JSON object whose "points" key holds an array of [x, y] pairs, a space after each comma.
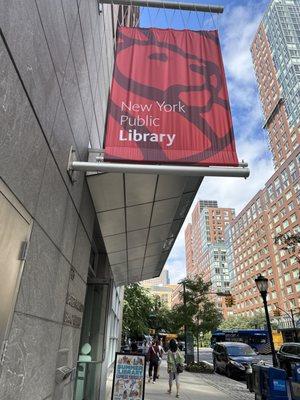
{"points": [[229, 301]]}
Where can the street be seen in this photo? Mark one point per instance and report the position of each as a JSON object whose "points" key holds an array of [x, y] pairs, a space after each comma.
{"points": [[206, 355]]}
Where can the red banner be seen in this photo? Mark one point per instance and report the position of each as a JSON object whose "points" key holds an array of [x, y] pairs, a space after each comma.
{"points": [[169, 100]]}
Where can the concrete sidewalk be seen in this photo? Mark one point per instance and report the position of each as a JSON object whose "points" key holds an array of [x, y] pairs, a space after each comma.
{"points": [[194, 386]]}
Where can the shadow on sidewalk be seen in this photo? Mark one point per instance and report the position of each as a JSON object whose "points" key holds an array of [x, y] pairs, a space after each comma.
{"points": [[191, 387]]}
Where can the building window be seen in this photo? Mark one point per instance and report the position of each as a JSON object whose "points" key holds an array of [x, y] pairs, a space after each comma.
{"points": [[287, 276], [293, 218], [288, 195], [296, 274], [289, 289], [291, 206], [285, 223]]}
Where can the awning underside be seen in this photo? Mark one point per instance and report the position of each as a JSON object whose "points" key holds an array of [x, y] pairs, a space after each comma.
{"points": [[140, 216]]}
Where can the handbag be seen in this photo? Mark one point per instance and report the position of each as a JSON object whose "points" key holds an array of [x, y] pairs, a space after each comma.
{"points": [[155, 359], [179, 367]]}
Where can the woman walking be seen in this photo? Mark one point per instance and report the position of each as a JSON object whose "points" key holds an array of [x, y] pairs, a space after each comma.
{"points": [[153, 354], [175, 362]]}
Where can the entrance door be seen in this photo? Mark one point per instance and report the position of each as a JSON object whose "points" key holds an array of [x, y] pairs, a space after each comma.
{"points": [[15, 227], [92, 342]]}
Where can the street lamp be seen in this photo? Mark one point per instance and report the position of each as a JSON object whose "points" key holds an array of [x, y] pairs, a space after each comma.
{"points": [[262, 286], [185, 327]]}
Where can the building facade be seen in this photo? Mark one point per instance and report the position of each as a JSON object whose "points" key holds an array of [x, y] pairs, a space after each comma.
{"points": [[164, 293], [56, 66], [69, 242], [205, 244], [176, 295], [192, 234], [275, 209], [162, 280]]}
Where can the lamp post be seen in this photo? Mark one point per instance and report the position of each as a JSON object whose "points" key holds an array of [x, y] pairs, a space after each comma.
{"points": [[262, 286], [185, 327]]}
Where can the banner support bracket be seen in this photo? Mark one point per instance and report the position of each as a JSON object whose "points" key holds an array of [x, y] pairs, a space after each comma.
{"points": [[158, 169]]}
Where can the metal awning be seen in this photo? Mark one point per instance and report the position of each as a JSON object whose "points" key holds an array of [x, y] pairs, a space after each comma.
{"points": [[140, 216], [141, 208]]}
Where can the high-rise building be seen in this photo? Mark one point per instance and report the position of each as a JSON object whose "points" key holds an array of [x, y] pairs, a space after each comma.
{"points": [[177, 295], [275, 209], [205, 245], [193, 237], [276, 57], [162, 280], [189, 253]]}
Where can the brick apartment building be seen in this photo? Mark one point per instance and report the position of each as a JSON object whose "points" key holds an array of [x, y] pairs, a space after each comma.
{"points": [[274, 209]]}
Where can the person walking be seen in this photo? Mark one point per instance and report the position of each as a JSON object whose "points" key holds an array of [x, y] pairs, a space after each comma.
{"points": [[175, 361], [153, 354], [161, 353]]}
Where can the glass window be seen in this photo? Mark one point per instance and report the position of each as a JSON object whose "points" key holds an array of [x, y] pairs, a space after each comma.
{"points": [[285, 224], [293, 218]]}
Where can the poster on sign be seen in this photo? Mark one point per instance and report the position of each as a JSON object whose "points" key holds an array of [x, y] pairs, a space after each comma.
{"points": [[129, 377], [169, 100]]}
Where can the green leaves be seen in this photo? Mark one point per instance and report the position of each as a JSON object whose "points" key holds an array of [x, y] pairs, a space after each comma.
{"points": [[258, 321], [143, 311], [197, 311], [137, 307]]}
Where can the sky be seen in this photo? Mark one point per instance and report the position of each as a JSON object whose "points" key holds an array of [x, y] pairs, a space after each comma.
{"points": [[237, 27]]}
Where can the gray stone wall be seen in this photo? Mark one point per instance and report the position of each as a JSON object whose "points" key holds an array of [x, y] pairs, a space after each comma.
{"points": [[55, 68]]}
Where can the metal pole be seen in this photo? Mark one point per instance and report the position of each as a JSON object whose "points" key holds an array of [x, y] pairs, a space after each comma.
{"points": [[274, 358], [294, 326], [183, 170], [185, 327], [168, 4]]}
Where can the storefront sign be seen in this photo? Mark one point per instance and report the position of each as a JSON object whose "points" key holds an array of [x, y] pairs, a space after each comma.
{"points": [[129, 377], [169, 100]]}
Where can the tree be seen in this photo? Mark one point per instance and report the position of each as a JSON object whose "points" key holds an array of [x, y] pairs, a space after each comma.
{"points": [[257, 321], [290, 242], [138, 305], [197, 311], [144, 311]]}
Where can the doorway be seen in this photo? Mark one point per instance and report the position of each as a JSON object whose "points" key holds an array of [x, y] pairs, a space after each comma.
{"points": [[92, 342], [15, 229]]}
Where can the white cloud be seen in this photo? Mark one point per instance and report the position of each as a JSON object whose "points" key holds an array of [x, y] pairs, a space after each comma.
{"points": [[238, 27]]}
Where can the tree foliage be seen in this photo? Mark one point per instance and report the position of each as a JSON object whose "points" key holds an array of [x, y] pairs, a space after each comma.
{"points": [[289, 242], [197, 311], [138, 304], [258, 321], [144, 311]]}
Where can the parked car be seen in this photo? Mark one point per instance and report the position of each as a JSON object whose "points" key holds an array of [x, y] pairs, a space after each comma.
{"points": [[288, 355], [234, 358]]}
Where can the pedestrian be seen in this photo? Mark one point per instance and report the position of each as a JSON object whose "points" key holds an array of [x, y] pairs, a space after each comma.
{"points": [[175, 361], [161, 353], [134, 348], [153, 354]]}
